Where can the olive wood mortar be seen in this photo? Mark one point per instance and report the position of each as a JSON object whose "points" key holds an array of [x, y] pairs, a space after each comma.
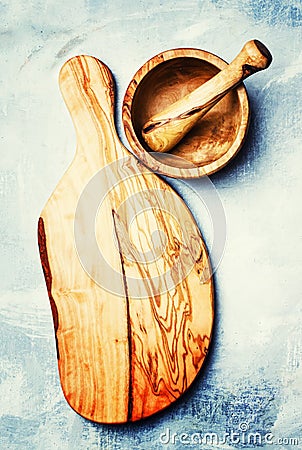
{"points": [[213, 141]]}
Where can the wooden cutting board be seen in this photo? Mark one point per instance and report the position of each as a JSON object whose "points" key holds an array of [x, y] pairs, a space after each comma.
{"points": [[127, 272]]}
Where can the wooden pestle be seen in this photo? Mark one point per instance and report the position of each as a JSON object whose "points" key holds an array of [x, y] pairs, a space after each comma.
{"points": [[165, 129]]}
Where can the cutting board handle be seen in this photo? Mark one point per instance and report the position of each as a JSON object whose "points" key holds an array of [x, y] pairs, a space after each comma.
{"points": [[88, 91], [165, 129]]}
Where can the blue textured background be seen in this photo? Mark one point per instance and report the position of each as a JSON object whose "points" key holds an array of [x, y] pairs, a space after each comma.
{"points": [[253, 375]]}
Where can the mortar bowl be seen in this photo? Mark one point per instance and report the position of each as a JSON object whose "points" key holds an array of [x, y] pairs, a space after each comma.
{"points": [[213, 141]]}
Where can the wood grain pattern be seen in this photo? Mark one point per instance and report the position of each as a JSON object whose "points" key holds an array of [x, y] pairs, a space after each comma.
{"points": [[213, 141], [166, 128], [122, 355]]}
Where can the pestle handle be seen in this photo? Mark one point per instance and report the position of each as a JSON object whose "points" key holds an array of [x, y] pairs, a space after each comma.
{"points": [[165, 129]]}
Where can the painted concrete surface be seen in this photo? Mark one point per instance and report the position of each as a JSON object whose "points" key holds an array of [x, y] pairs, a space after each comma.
{"points": [[252, 381]]}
